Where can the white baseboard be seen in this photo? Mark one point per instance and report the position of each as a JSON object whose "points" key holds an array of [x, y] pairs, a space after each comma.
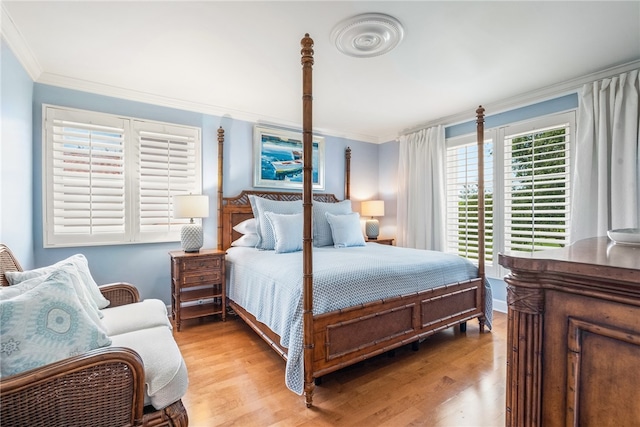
{"points": [[499, 305]]}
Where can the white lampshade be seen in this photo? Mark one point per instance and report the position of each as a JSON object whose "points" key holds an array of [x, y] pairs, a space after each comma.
{"points": [[372, 208], [191, 206]]}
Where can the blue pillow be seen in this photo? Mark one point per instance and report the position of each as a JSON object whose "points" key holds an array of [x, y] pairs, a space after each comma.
{"points": [[260, 205], [287, 230], [321, 228], [45, 324], [346, 230]]}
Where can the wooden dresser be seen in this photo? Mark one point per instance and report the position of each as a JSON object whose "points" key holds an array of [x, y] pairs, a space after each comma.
{"points": [[574, 336]]}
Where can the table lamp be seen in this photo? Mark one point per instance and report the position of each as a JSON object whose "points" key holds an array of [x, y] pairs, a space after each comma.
{"points": [[372, 208], [191, 206]]}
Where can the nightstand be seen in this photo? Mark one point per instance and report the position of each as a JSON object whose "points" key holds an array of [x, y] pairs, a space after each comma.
{"points": [[197, 285], [382, 241]]}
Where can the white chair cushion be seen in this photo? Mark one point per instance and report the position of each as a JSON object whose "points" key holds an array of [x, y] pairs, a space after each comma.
{"points": [[132, 317], [165, 375]]}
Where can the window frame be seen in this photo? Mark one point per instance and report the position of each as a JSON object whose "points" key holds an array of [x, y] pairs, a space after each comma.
{"points": [[497, 136], [132, 212]]}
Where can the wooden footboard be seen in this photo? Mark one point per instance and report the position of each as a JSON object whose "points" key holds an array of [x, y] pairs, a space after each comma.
{"points": [[348, 336]]}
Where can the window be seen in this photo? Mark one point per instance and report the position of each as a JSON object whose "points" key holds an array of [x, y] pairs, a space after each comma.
{"points": [[462, 198], [110, 179], [527, 189], [536, 187]]}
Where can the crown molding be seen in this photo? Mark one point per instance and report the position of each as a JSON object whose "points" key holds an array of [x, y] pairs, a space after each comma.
{"points": [[528, 98], [181, 104], [18, 45]]}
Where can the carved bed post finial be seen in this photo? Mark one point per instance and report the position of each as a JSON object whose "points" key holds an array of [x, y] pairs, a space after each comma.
{"points": [[307, 200], [307, 50], [220, 187]]}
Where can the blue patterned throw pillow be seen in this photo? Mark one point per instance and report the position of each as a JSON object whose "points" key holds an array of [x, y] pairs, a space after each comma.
{"points": [[44, 325]]}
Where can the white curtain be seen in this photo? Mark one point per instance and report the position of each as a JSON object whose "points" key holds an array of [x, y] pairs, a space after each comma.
{"points": [[606, 175], [421, 190]]}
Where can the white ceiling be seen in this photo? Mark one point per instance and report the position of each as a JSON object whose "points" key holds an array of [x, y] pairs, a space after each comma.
{"points": [[242, 59]]}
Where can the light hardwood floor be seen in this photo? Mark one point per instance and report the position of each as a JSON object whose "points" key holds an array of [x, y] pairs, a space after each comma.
{"points": [[454, 379]]}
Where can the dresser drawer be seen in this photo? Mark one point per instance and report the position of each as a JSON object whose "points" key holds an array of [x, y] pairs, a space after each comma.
{"points": [[200, 264], [201, 277]]}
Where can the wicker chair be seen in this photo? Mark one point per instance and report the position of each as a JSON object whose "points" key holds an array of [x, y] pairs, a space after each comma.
{"points": [[103, 387]]}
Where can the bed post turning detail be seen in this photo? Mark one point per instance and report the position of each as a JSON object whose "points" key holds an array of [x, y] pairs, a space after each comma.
{"points": [[347, 173], [307, 197], [220, 188], [481, 224]]}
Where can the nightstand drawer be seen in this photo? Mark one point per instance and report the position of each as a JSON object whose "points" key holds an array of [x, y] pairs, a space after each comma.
{"points": [[199, 264], [196, 278]]}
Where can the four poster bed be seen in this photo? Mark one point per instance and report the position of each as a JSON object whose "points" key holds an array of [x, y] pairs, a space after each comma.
{"points": [[360, 301]]}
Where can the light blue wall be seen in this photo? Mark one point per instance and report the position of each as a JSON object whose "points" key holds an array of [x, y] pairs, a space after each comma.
{"points": [[147, 265], [551, 106], [16, 166]]}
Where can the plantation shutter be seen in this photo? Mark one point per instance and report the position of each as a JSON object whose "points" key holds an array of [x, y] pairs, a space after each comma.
{"points": [[168, 165], [110, 180], [86, 186], [462, 200], [537, 189]]}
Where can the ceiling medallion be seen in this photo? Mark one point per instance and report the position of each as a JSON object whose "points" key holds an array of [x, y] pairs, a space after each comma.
{"points": [[367, 35]]}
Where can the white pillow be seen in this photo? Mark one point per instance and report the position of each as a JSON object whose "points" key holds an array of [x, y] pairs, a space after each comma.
{"points": [[79, 261], [287, 229], [346, 230], [260, 205], [247, 240], [8, 292], [248, 226], [87, 303], [44, 325], [321, 229]]}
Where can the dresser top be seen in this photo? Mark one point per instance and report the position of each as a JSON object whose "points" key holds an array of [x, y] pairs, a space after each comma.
{"points": [[202, 252], [596, 257]]}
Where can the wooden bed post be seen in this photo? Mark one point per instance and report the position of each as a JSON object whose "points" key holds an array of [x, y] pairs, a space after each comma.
{"points": [[220, 188], [347, 173], [481, 245], [307, 205]]}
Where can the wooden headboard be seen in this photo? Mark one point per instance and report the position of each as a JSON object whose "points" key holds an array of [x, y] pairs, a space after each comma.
{"points": [[237, 209]]}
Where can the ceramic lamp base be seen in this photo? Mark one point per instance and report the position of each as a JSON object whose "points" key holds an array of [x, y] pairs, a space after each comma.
{"points": [[191, 237], [372, 229]]}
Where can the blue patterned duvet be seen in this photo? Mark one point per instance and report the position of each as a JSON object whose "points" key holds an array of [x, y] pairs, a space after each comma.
{"points": [[269, 285]]}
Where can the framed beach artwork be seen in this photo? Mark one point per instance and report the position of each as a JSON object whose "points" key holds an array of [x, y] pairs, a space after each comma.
{"points": [[278, 159]]}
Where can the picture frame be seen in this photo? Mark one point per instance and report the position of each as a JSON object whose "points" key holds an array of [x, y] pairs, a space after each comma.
{"points": [[278, 159]]}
